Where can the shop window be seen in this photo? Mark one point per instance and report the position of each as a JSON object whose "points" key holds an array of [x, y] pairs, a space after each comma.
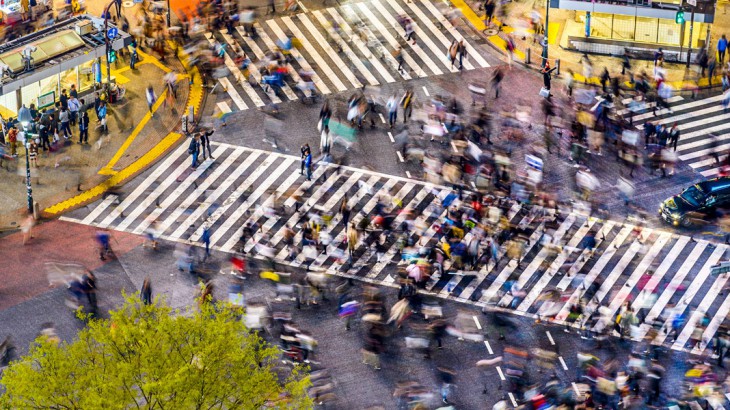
{"points": [[669, 32], [646, 30], [601, 25], [8, 105], [29, 94], [49, 85], [623, 27], [68, 78], [86, 76]]}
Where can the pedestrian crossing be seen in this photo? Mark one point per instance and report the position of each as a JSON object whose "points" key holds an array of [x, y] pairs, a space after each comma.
{"points": [[358, 53], [697, 122], [657, 271]]}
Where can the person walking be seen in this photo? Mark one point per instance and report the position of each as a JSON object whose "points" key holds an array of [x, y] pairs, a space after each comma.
{"points": [[84, 128], [410, 32], [146, 292], [497, 78], [625, 64], [194, 150], [407, 103], [205, 143], [345, 211], [462, 54], [151, 98], [674, 136], [305, 150], [453, 51], [398, 55], [102, 116], [711, 65], [392, 107], [605, 78], [721, 48]]}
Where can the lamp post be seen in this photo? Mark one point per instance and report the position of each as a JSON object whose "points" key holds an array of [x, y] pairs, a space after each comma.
{"points": [[691, 26], [545, 38], [25, 118], [168, 13]]}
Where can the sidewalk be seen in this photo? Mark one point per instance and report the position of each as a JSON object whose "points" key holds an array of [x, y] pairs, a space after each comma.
{"points": [[677, 75], [74, 174]]}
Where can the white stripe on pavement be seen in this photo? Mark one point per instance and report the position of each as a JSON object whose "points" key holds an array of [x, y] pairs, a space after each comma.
{"points": [[350, 54], [261, 56], [193, 218], [231, 90], [548, 275], [334, 56], [447, 25], [169, 199], [302, 61], [243, 82], [392, 41], [253, 70], [273, 47], [272, 177], [584, 257], [193, 196]]}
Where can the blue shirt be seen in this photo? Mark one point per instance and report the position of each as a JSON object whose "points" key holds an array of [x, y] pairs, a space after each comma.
{"points": [[722, 44]]}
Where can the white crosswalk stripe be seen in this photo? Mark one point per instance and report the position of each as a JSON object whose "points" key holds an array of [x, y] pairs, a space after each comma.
{"points": [[346, 47], [704, 131], [660, 275]]}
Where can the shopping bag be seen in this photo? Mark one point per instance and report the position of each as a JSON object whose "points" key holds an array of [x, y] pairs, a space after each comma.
{"points": [[544, 92]]}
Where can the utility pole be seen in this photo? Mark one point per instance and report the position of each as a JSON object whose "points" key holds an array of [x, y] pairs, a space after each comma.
{"points": [[168, 13]]}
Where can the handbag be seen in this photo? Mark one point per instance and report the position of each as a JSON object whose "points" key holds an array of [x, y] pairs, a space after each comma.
{"points": [[544, 92]]}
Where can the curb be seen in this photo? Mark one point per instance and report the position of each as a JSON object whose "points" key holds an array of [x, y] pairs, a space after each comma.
{"points": [[195, 99]]}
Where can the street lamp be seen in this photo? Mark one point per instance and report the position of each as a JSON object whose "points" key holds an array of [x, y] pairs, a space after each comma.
{"points": [[25, 118], [545, 38]]}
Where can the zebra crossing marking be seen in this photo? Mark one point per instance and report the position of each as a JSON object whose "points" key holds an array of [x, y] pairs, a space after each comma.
{"points": [[364, 188]]}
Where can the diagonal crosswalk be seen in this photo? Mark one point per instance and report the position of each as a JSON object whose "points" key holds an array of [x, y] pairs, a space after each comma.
{"points": [[697, 122], [359, 53], [657, 272]]}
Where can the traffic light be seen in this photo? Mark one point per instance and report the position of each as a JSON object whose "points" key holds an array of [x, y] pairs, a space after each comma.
{"points": [[679, 18], [112, 56]]}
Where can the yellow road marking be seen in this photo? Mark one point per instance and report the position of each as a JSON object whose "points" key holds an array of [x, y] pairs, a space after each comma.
{"points": [[195, 98], [146, 58], [117, 178], [478, 24], [107, 169]]}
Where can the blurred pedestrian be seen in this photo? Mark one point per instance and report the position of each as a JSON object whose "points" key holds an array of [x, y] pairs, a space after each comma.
{"points": [[84, 128], [205, 143], [151, 98], [392, 107], [27, 228]]}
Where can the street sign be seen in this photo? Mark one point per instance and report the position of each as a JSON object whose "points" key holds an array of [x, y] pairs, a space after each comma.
{"points": [[720, 268], [112, 33]]}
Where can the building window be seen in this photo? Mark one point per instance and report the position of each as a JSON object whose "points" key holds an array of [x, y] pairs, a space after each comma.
{"points": [[68, 78], [669, 32], [647, 30], [623, 27], [50, 84]]}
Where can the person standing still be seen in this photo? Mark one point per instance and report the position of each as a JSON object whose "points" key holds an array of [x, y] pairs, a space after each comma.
{"points": [[721, 48], [305, 150], [13, 140], [102, 116], [65, 118], [308, 166], [462, 54], [74, 105], [84, 128], [194, 149]]}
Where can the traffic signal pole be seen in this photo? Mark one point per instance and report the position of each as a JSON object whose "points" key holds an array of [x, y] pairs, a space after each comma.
{"points": [[691, 26]]}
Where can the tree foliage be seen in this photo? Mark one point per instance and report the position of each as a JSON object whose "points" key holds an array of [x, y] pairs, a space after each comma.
{"points": [[154, 357]]}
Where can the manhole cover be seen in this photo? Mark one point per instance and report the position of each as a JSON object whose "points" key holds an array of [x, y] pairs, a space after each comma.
{"points": [[491, 32], [128, 4]]}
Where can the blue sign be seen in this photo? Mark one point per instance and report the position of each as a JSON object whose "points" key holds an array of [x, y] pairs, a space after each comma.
{"points": [[112, 33]]}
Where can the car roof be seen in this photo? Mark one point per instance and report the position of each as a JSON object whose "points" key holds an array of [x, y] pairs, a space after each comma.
{"points": [[716, 185]]}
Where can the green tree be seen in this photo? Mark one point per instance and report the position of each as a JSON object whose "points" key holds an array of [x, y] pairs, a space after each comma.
{"points": [[154, 357]]}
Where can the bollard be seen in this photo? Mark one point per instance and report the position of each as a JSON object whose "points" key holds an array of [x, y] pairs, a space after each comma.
{"points": [[557, 65], [36, 210], [527, 56]]}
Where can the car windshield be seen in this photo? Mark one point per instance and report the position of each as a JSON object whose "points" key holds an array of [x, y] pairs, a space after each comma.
{"points": [[693, 195]]}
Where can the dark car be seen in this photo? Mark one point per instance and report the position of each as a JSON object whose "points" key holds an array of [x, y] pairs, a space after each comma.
{"points": [[696, 202]]}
